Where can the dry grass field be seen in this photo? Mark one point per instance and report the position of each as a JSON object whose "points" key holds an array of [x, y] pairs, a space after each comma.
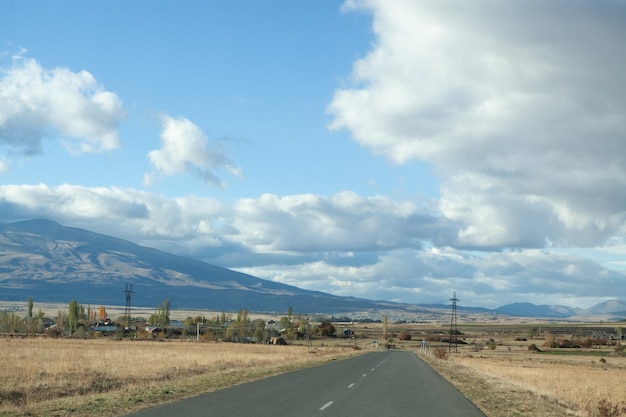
{"points": [[103, 377], [511, 380], [521, 383]]}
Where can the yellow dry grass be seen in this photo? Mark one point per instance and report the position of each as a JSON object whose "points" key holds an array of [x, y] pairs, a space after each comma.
{"points": [[58, 377], [567, 384]]}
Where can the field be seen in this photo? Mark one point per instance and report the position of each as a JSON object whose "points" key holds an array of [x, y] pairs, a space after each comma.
{"points": [[104, 377], [504, 378]]}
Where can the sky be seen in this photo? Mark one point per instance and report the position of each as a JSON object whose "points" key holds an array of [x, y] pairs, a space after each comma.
{"points": [[391, 150]]}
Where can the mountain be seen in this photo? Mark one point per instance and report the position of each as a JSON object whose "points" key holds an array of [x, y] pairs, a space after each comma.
{"points": [[608, 307], [531, 310], [611, 310], [53, 263]]}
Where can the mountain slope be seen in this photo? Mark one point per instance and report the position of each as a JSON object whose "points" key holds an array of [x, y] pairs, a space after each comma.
{"points": [[532, 310], [50, 262], [53, 263]]}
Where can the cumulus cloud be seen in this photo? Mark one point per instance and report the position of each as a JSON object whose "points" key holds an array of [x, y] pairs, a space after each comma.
{"points": [[186, 149], [187, 226], [342, 222], [38, 103], [493, 280], [345, 244], [521, 109]]}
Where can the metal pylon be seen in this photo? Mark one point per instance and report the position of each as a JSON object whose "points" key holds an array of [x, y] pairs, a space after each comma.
{"points": [[129, 293], [454, 332]]}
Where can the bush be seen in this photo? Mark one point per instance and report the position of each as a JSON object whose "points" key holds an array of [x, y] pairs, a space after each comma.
{"points": [[441, 353], [404, 336], [550, 341], [605, 408], [533, 348], [567, 344]]}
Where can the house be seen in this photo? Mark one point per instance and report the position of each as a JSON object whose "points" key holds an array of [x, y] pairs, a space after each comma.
{"points": [[104, 326], [602, 337], [154, 330], [277, 341]]}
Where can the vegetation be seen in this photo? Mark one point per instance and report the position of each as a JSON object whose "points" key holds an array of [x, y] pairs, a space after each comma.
{"points": [[162, 315], [513, 369], [518, 378], [98, 377]]}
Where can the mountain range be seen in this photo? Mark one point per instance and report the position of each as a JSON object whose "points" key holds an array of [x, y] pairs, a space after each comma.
{"points": [[53, 263], [49, 262]]}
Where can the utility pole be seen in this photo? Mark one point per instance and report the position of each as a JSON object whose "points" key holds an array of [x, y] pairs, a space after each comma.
{"points": [[307, 331], [129, 293], [454, 331]]}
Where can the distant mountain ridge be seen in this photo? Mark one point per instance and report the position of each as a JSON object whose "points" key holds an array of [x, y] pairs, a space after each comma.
{"points": [[53, 263], [614, 309], [50, 262]]}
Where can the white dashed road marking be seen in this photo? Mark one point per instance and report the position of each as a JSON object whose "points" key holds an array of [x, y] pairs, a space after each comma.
{"points": [[325, 406]]}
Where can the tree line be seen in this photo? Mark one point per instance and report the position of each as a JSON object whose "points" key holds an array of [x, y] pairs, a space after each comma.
{"points": [[83, 321]]}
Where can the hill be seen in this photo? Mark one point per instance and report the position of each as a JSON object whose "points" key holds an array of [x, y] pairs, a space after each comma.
{"points": [[53, 263]]}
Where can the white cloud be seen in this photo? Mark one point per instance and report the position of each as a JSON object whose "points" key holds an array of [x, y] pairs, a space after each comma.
{"points": [[37, 103], [520, 107], [186, 149], [411, 276], [347, 245], [343, 222]]}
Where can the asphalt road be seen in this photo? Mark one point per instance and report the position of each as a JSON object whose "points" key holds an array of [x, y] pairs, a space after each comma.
{"points": [[377, 384]]}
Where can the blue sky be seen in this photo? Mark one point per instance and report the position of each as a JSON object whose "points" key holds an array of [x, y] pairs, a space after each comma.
{"points": [[388, 150]]}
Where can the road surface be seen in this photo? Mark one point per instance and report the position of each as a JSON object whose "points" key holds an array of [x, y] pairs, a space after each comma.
{"points": [[377, 384]]}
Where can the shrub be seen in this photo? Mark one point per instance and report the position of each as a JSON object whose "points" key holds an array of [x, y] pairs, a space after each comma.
{"points": [[550, 341], [404, 336], [605, 408], [566, 344], [441, 353], [478, 346], [586, 343]]}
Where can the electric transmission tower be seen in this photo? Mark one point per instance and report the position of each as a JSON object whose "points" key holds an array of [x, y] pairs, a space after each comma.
{"points": [[129, 293], [454, 331]]}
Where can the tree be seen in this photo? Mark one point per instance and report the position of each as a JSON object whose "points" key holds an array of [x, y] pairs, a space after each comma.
{"points": [[102, 313], [30, 307], [72, 315], [162, 315], [327, 328], [289, 316]]}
